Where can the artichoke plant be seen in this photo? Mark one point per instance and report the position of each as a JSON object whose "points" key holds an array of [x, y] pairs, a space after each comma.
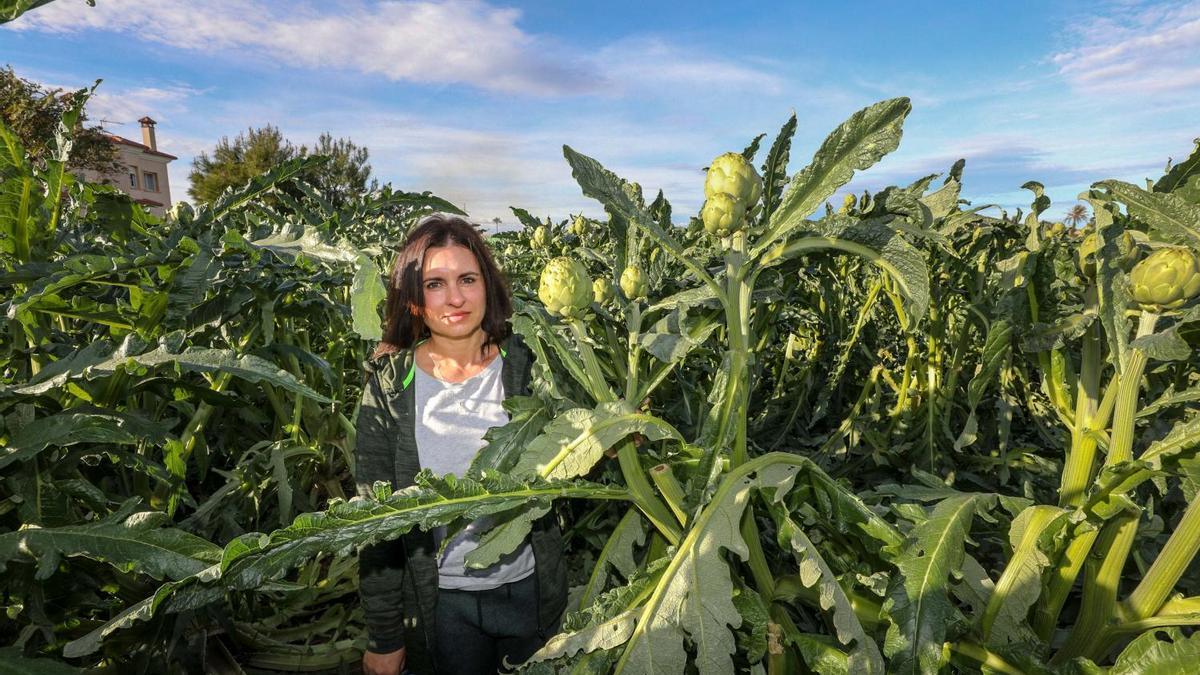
{"points": [[633, 283], [1167, 279], [565, 288], [541, 238], [1091, 245]]}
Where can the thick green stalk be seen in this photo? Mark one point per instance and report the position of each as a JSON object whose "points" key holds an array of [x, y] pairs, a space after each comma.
{"points": [[598, 385], [737, 320], [764, 581], [1062, 579], [671, 490], [1100, 588], [1167, 568], [1082, 458], [1120, 447], [977, 656], [635, 350], [643, 495], [1026, 550]]}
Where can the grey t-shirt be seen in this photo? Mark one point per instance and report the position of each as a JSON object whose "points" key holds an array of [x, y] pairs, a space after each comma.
{"points": [[451, 420]]}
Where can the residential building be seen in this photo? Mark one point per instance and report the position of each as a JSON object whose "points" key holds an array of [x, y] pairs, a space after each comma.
{"points": [[144, 174]]}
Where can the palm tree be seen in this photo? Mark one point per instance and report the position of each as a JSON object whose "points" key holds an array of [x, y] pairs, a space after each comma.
{"points": [[1076, 215]]}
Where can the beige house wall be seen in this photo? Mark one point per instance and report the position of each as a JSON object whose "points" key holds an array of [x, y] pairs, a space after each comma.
{"points": [[138, 161]]}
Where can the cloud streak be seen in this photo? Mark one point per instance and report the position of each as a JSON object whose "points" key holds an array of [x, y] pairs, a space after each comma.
{"points": [[459, 42], [1136, 50]]}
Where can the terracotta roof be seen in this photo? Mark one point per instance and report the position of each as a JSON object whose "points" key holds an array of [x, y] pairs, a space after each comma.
{"points": [[148, 202], [143, 147]]}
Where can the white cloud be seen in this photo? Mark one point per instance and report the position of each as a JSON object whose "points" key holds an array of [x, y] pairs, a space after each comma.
{"points": [[1136, 50], [454, 42]]}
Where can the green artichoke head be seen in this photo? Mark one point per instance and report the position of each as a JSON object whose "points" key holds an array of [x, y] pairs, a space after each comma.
{"points": [[601, 291], [723, 214], [732, 174], [848, 202], [1167, 279], [565, 288], [633, 283], [540, 238], [579, 226], [182, 213]]}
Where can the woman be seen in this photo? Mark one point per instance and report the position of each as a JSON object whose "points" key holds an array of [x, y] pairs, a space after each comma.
{"points": [[434, 386]]}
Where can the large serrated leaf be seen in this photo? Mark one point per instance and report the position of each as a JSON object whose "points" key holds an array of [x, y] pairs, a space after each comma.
{"points": [[863, 655], [253, 559], [366, 292], [572, 444], [692, 601], [856, 144], [79, 425], [1168, 215], [918, 604], [1180, 174], [872, 240], [99, 360], [127, 539], [1147, 655]]}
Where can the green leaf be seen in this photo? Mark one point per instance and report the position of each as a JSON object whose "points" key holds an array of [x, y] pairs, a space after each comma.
{"points": [[366, 293], [856, 144], [774, 169], [527, 416], [99, 360], [872, 240], [1180, 174], [253, 559], [1168, 215], [504, 538], [9, 10], [79, 425], [1163, 346], [918, 604], [752, 636], [127, 539], [575, 440], [1005, 621], [14, 662], [1148, 655], [863, 656], [692, 601], [629, 533]]}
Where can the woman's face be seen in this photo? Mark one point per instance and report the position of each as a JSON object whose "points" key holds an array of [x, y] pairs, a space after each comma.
{"points": [[454, 292]]}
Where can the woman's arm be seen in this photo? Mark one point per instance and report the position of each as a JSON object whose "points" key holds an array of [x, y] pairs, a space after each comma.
{"points": [[380, 566]]}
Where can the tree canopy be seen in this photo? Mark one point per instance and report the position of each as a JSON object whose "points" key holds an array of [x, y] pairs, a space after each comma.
{"points": [[32, 111], [346, 174]]}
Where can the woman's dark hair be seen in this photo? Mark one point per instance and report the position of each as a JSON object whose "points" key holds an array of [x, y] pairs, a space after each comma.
{"points": [[404, 325]]}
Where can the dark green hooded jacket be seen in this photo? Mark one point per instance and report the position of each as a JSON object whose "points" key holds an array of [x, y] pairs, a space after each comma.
{"points": [[398, 580]]}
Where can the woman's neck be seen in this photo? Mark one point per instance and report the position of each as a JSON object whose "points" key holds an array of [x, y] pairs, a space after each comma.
{"points": [[460, 352]]}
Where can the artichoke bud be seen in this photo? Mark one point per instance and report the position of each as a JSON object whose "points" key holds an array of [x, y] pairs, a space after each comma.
{"points": [[633, 283], [1167, 279], [601, 291], [182, 213], [579, 226], [1090, 246], [723, 214], [732, 174], [848, 203], [565, 288], [540, 238]]}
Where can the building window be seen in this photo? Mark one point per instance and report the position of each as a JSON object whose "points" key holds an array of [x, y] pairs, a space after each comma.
{"points": [[150, 181], [133, 178]]}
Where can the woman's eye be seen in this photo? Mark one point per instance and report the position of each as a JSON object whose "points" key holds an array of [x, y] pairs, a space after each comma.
{"points": [[468, 280], [432, 285]]}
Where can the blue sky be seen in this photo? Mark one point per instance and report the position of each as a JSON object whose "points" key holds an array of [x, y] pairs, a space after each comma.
{"points": [[473, 100]]}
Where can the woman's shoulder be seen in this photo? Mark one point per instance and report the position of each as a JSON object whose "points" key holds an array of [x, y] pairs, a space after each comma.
{"points": [[388, 366]]}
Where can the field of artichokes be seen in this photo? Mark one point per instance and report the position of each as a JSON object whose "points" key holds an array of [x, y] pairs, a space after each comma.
{"points": [[899, 434]]}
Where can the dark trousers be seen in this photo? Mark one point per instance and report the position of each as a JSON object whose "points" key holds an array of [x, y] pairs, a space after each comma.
{"points": [[484, 632]]}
